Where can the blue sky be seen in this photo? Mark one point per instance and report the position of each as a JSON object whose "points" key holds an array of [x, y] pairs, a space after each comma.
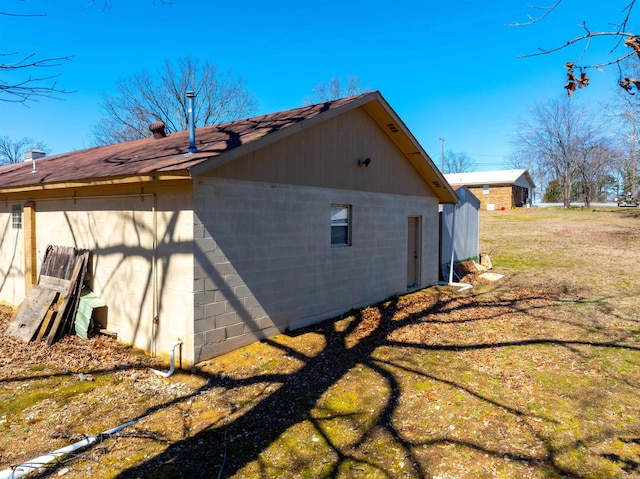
{"points": [[447, 68]]}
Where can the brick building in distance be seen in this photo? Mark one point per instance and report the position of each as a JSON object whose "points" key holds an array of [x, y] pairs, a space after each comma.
{"points": [[497, 189]]}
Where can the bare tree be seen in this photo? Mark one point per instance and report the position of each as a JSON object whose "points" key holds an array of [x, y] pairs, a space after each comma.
{"points": [[594, 163], [564, 139], [12, 151], [25, 77], [458, 162], [626, 110], [621, 33], [522, 159], [145, 98], [335, 89]]}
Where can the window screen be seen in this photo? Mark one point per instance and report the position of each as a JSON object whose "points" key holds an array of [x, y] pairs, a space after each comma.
{"points": [[16, 217], [340, 222]]}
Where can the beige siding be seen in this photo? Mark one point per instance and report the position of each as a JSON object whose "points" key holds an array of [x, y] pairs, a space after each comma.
{"points": [[244, 251], [121, 231], [264, 262], [12, 282], [326, 155]]}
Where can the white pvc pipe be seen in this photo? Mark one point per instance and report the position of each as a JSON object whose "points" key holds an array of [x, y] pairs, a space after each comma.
{"points": [[453, 243], [171, 362], [39, 462], [462, 286]]}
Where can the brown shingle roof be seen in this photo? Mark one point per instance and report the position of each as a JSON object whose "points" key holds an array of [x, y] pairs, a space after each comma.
{"points": [[169, 157], [151, 156]]}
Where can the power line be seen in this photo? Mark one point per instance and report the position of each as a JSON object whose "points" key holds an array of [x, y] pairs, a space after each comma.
{"points": [[486, 154]]}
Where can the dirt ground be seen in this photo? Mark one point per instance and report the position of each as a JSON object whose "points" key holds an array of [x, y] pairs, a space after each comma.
{"points": [[535, 375]]}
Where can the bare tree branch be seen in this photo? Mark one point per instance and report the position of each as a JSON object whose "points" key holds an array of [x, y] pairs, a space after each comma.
{"points": [[20, 89], [107, 4], [27, 62], [145, 98], [32, 87], [335, 89], [7, 14], [623, 26], [573, 41], [622, 34], [532, 20], [35, 86]]}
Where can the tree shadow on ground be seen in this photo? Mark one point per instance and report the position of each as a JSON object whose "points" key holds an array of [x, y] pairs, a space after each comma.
{"points": [[366, 343]]}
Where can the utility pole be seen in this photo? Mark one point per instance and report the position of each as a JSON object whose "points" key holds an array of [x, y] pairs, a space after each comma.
{"points": [[442, 141]]}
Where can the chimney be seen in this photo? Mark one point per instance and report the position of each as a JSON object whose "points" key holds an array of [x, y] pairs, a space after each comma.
{"points": [[32, 156], [192, 126], [157, 128]]}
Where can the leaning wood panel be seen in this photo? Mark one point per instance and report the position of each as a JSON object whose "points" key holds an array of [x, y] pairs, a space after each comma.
{"points": [[78, 281], [51, 314], [31, 313], [56, 284], [59, 261], [59, 322]]}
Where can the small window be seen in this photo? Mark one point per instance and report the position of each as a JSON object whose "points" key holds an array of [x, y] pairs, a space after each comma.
{"points": [[340, 225], [485, 189], [16, 217]]}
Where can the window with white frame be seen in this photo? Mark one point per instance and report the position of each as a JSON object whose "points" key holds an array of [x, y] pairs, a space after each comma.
{"points": [[485, 189], [16, 217], [340, 225]]}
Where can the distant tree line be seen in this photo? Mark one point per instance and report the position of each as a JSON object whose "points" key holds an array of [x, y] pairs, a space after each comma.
{"points": [[458, 162], [577, 153]]}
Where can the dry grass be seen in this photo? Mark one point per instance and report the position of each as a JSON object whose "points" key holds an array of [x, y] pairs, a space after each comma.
{"points": [[533, 377]]}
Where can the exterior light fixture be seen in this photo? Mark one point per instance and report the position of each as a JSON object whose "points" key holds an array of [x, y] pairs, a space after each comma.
{"points": [[364, 161]]}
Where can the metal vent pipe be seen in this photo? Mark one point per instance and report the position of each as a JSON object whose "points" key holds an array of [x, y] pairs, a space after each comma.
{"points": [[192, 127]]}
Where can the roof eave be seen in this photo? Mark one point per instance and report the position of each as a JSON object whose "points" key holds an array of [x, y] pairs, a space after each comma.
{"points": [[107, 181], [529, 179], [381, 112], [398, 132]]}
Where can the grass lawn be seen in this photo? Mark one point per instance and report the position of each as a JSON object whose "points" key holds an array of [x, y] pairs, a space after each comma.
{"points": [[534, 376]]}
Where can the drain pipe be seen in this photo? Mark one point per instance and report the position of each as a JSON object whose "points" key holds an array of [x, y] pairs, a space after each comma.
{"points": [[40, 462], [462, 286], [171, 362]]}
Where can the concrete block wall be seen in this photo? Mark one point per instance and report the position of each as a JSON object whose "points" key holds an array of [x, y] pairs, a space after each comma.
{"points": [[264, 262]]}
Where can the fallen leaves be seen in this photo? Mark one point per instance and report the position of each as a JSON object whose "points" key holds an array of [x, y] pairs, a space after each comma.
{"points": [[504, 380]]}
